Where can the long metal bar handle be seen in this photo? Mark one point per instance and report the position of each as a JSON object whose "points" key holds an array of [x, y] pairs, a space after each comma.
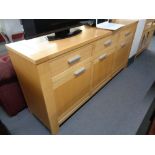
{"points": [[102, 57], [123, 45], [127, 33], [80, 71], [108, 42], [74, 59]]}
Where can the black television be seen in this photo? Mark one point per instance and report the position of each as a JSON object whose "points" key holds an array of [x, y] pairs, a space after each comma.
{"points": [[60, 27]]}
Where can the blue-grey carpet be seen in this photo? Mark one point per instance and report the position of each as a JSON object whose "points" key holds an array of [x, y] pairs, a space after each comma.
{"points": [[3, 49], [118, 108]]}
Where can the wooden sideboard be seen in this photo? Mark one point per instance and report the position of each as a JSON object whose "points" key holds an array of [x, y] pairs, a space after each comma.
{"points": [[147, 34], [57, 77]]}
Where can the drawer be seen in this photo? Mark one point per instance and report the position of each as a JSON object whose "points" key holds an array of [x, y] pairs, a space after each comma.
{"points": [[127, 34], [105, 43], [70, 87], [66, 61], [123, 44], [148, 24]]}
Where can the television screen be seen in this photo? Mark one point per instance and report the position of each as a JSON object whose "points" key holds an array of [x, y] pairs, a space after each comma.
{"points": [[38, 27]]}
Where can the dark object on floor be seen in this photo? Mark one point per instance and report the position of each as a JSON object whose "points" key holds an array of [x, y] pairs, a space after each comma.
{"points": [[3, 129], [149, 118], [11, 97], [152, 128], [131, 60]]}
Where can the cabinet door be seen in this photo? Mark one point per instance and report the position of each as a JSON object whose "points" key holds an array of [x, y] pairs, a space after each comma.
{"points": [[102, 67], [121, 56], [71, 87], [146, 39], [149, 37], [142, 42]]}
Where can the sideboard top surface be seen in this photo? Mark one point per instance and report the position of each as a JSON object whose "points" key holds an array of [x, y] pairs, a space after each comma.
{"points": [[39, 50]]}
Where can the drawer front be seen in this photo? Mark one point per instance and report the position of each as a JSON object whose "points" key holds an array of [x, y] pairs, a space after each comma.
{"points": [[148, 24], [127, 34], [104, 44], [70, 87], [102, 67], [66, 61]]}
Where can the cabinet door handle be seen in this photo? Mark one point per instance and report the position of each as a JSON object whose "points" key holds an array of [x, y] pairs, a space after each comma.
{"points": [[80, 71], [74, 59], [127, 33], [123, 45], [108, 42], [102, 57]]}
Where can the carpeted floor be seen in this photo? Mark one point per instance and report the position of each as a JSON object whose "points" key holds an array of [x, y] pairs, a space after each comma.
{"points": [[118, 108], [2, 49]]}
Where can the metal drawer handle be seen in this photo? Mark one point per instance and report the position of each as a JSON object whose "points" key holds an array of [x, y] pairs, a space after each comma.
{"points": [[127, 33], [74, 59], [123, 45], [108, 42], [102, 57], [80, 71]]}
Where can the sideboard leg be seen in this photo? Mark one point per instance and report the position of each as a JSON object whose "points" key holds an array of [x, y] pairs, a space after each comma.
{"points": [[54, 127]]}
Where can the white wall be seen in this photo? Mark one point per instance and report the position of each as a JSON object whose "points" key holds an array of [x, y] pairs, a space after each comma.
{"points": [[1, 25], [11, 26], [137, 38]]}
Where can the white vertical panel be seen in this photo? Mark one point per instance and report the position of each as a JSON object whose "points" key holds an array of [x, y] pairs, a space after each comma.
{"points": [[137, 38]]}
